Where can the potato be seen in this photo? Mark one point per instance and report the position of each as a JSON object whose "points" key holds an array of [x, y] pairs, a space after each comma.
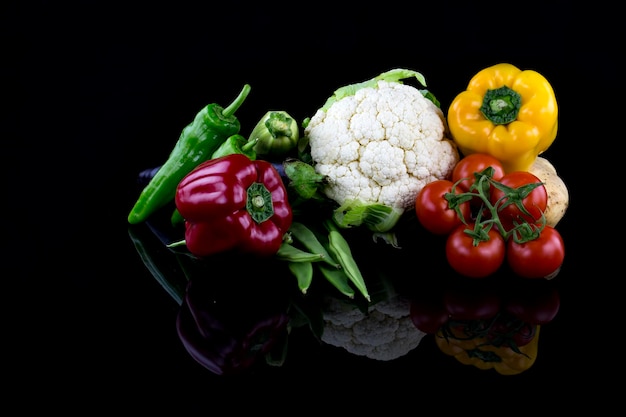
{"points": [[558, 195]]}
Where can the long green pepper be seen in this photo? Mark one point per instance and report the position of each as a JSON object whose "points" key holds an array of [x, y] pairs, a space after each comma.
{"points": [[196, 144]]}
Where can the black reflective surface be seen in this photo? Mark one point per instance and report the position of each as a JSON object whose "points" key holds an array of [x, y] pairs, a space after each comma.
{"points": [[105, 96]]}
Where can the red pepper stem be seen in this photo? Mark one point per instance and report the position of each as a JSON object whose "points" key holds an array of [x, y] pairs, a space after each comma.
{"points": [[259, 203]]}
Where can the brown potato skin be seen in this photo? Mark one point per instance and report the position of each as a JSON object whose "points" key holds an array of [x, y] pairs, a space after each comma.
{"points": [[558, 194]]}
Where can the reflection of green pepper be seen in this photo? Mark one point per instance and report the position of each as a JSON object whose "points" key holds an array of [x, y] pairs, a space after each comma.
{"points": [[161, 262], [197, 143], [277, 133]]}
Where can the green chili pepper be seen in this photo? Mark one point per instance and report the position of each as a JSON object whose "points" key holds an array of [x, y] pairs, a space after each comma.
{"points": [[197, 143]]}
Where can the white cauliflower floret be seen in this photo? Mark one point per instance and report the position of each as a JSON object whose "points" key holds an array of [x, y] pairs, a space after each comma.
{"points": [[380, 145], [385, 333]]}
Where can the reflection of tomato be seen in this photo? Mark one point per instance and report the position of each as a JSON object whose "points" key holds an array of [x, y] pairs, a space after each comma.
{"points": [[538, 258], [433, 211], [475, 260], [471, 303], [535, 302], [475, 163], [508, 330], [535, 202], [428, 314], [525, 334]]}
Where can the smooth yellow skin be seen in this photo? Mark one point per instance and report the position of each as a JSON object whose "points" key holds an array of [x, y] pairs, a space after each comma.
{"points": [[515, 144]]}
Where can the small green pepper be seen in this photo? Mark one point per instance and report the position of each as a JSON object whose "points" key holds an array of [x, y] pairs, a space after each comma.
{"points": [[277, 133], [236, 144], [196, 144]]}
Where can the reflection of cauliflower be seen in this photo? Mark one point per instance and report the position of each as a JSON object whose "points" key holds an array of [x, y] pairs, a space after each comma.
{"points": [[386, 333], [378, 143]]}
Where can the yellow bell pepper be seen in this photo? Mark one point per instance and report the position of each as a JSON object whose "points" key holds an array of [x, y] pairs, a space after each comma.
{"points": [[506, 112], [478, 352]]}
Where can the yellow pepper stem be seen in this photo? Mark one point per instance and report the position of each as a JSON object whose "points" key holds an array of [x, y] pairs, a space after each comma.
{"points": [[501, 105]]}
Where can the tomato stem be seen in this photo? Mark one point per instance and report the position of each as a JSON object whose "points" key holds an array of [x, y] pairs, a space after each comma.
{"points": [[521, 232]]}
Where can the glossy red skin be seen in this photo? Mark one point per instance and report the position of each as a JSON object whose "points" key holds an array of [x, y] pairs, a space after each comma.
{"points": [[212, 200], [433, 211], [473, 163], [475, 261], [537, 258], [536, 202]]}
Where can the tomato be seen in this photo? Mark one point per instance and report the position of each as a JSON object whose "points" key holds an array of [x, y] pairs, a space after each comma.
{"points": [[535, 202], [538, 258], [473, 163], [535, 304], [433, 211], [427, 314], [475, 261]]}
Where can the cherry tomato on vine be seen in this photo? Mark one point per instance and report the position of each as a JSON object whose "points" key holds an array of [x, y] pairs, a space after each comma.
{"points": [[474, 163], [475, 260], [538, 258], [433, 211], [535, 202]]}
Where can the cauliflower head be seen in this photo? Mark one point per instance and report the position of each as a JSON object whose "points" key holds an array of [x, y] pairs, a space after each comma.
{"points": [[385, 333], [380, 144]]}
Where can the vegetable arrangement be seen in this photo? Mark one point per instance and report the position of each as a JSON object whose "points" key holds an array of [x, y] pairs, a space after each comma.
{"points": [[494, 210], [209, 130], [376, 156], [373, 153], [490, 217]]}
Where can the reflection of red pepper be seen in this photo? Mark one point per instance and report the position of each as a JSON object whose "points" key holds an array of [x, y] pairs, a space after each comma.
{"points": [[233, 202], [228, 328]]}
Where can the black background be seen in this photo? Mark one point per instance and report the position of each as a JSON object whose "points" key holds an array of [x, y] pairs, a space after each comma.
{"points": [[98, 91]]}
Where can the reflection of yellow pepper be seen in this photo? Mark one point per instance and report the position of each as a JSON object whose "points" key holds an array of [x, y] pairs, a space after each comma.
{"points": [[478, 352], [506, 112]]}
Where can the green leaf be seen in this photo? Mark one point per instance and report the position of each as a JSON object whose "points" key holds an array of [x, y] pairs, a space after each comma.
{"points": [[394, 75]]}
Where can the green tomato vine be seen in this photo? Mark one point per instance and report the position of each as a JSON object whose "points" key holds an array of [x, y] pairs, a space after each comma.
{"points": [[523, 231]]}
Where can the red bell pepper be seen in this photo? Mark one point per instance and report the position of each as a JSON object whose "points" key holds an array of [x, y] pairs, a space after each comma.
{"points": [[233, 202]]}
